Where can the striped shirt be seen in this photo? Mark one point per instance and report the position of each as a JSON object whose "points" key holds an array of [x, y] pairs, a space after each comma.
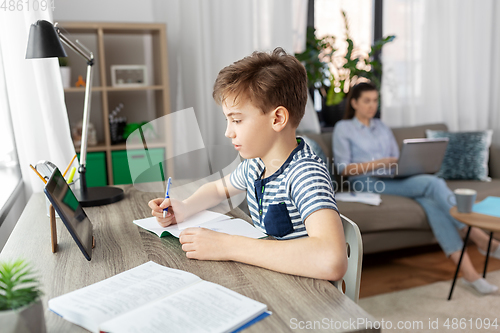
{"points": [[280, 203]]}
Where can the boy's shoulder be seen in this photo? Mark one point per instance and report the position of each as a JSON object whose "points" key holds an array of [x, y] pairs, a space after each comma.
{"points": [[305, 160]]}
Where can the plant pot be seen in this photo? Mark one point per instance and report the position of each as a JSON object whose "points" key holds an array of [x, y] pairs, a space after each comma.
{"points": [[28, 319], [66, 76], [332, 114]]}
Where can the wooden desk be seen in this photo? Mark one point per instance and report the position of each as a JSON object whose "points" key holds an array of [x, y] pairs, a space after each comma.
{"points": [[486, 222], [121, 245]]}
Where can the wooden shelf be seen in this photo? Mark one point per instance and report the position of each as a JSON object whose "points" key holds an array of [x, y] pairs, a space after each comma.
{"points": [[123, 146], [82, 89], [133, 88], [99, 147], [120, 43]]}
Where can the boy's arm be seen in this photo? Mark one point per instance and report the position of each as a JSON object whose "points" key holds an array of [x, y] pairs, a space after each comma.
{"points": [[322, 255], [207, 196], [210, 195]]}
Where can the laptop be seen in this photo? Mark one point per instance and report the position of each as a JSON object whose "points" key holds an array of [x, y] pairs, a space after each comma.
{"points": [[419, 156], [70, 211]]}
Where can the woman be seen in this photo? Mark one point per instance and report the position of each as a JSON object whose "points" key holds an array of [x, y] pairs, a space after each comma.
{"points": [[364, 147]]}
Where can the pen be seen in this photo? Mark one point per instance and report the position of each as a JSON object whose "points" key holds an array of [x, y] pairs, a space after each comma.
{"points": [[165, 210], [64, 174], [39, 175]]}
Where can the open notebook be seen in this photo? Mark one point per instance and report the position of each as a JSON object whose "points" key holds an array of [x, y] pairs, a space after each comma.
{"points": [[204, 219], [153, 298]]}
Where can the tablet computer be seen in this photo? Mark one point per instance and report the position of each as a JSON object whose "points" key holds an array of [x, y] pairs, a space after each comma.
{"points": [[70, 211]]}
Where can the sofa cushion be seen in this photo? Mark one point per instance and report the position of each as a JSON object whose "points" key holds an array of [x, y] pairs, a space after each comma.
{"points": [[394, 213], [466, 156]]}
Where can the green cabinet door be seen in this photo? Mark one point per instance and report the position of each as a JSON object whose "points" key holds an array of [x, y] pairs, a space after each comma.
{"points": [[139, 160], [96, 174]]}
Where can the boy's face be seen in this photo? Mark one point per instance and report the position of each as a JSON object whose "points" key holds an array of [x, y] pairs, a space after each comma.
{"points": [[249, 129]]}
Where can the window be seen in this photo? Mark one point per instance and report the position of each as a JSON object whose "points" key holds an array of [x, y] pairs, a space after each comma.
{"points": [[10, 174], [328, 20]]}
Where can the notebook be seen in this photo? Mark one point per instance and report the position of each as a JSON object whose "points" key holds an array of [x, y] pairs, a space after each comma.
{"points": [[204, 219], [489, 206], [153, 298]]}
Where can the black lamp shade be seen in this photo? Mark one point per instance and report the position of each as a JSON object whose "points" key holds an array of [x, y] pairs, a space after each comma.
{"points": [[44, 42]]}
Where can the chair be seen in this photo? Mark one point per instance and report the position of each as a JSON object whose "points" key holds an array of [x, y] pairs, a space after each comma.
{"points": [[352, 277]]}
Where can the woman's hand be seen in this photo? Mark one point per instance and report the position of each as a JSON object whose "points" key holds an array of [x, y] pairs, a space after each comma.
{"points": [[355, 169], [177, 211], [387, 162]]}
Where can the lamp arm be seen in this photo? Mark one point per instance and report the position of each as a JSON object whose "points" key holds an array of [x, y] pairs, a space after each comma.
{"points": [[86, 106], [86, 117], [74, 47]]}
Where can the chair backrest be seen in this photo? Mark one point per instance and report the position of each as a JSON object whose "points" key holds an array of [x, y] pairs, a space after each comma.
{"points": [[352, 277]]}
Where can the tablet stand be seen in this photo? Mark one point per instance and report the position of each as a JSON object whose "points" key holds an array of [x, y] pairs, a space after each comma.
{"points": [[53, 230]]}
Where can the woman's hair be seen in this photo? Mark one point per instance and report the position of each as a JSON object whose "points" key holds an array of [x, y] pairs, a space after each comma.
{"points": [[354, 93]]}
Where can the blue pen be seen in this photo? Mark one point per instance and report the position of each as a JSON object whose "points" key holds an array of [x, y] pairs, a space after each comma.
{"points": [[165, 210]]}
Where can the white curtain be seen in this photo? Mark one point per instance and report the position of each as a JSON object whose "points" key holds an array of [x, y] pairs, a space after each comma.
{"points": [[443, 65], [35, 98], [206, 36]]}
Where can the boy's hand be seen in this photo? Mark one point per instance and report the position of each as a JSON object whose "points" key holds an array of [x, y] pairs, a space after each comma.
{"points": [[205, 244], [176, 211]]}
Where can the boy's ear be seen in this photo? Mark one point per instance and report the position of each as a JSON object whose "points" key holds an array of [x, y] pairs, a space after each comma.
{"points": [[280, 117]]}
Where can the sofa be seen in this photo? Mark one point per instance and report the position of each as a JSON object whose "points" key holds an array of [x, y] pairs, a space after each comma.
{"points": [[400, 222]]}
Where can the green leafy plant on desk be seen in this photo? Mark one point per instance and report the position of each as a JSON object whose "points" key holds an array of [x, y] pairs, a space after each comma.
{"points": [[21, 309]]}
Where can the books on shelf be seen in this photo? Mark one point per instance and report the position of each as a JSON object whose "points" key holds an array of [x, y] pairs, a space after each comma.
{"points": [[205, 219], [154, 298]]}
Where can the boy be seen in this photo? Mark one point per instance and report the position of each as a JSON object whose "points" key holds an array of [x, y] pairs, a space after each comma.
{"points": [[289, 191]]}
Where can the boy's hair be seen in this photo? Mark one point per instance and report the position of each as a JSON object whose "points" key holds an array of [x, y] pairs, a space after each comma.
{"points": [[267, 80]]}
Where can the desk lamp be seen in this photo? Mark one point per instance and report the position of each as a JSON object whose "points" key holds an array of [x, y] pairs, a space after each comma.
{"points": [[45, 42]]}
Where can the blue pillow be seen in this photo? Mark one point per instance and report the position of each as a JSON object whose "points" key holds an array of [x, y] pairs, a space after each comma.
{"points": [[466, 156]]}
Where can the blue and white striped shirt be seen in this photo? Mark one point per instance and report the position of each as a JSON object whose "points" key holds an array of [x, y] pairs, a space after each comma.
{"points": [[280, 203]]}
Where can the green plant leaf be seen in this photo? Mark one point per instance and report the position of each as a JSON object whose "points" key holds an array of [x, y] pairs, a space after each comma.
{"points": [[334, 98], [18, 285]]}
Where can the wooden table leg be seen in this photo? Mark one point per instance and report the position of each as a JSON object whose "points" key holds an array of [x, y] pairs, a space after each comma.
{"points": [[459, 262], [53, 229], [487, 255]]}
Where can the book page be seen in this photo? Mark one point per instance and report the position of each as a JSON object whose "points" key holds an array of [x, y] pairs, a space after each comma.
{"points": [[234, 227], [203, 307], [196, 220], [101, 301]]}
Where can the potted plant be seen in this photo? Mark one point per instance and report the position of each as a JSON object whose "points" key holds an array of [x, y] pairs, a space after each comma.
{"points": [[347, 69], [21, 309], [65, 72], [333, 74]]}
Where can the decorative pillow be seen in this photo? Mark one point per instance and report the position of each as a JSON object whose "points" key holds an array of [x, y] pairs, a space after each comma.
{"points": [[466, 156], [316, 148]]}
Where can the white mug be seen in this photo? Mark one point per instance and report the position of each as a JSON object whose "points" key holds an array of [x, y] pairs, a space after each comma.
{"points": [[465, 199]]}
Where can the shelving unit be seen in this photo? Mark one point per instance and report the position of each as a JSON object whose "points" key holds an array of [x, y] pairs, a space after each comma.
{"points": [[118, 44]]}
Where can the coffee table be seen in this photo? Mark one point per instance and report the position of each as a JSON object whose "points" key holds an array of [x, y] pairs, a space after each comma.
{"points": [[486, 222]]}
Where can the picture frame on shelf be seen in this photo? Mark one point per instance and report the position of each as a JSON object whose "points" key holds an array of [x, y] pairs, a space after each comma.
{"points": [[129, 75]]}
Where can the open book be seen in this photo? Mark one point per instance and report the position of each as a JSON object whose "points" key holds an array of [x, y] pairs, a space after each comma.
{"points": [[154, 298], [205, 219]]}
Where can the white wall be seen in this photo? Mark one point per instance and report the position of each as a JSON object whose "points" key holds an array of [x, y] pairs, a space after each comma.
{"points": [[104, 11]]}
